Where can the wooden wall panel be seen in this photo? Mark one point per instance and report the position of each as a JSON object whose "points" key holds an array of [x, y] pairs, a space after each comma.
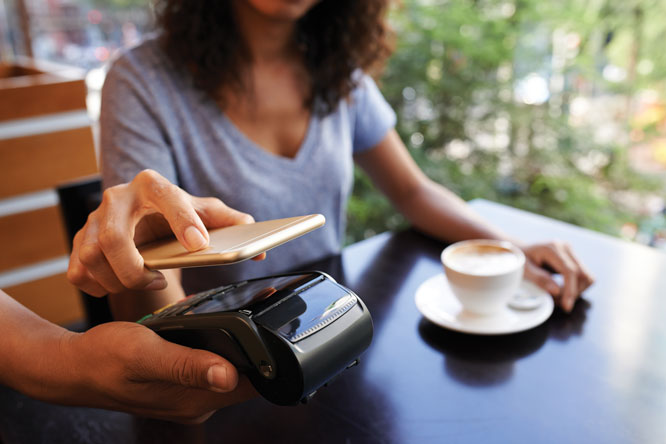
{"points": [[32, 96], [53, 298], [31, 237], [41, 161]]}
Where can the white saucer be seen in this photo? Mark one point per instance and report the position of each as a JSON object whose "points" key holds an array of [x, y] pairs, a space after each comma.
{"points": [[436, 302]]}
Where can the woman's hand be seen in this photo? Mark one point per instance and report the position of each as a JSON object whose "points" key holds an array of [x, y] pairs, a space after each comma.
{"points": [[557, 257], [105, 258]]}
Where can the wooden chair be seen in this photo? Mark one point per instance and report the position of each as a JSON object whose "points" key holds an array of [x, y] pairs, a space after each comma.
{"points": [[45, 139]]}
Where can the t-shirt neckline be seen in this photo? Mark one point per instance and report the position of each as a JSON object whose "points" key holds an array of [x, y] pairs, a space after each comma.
{"points": [[261, 154]]}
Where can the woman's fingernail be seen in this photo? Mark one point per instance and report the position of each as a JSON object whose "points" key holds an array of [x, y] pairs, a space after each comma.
{"points": [[217, 379], [194, 238]]}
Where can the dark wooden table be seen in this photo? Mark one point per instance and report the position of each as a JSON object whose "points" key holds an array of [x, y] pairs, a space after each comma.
{"points": [[597, 375]]}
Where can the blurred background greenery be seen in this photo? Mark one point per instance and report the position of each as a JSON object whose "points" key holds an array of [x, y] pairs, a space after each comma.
{"points": [[556, 107]]}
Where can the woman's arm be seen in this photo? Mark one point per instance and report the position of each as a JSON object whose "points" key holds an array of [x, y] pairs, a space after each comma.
{"points": [[429, 206], [119, 366], [130, 305], [438, 212]]}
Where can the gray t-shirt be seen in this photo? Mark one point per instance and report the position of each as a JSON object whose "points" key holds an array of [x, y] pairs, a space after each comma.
{"points": [[153, 117]]}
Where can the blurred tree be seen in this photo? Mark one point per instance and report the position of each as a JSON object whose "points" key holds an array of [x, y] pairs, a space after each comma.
{"points": [[494, 100]]}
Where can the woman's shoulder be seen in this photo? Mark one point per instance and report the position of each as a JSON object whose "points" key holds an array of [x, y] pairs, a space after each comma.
{"points": [[370, 113], [144, 70], [146, 59], [366, 95]]}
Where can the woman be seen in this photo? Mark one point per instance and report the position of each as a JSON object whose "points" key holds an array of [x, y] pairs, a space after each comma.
{"points": [[264, 104]]}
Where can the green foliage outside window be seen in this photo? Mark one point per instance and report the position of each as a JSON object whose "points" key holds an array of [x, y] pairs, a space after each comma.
{"points": [[456, 81]]}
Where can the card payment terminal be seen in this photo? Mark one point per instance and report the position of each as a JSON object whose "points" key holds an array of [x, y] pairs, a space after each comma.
{"points": [[290, 334]]}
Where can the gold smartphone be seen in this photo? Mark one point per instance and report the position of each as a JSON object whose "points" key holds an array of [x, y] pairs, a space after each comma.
{"points": [[229, 245]]}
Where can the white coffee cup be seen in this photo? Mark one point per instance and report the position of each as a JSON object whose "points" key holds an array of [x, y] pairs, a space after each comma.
{"points": [[483, 274]]}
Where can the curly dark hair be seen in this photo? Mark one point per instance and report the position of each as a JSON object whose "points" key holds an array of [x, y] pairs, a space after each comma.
{"points": [[337, 37]]}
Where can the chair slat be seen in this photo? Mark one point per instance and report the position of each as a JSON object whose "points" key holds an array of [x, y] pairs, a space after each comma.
{"points": [[41, 161]]}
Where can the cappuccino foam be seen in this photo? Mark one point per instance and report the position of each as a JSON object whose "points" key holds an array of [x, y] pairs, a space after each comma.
{"points": [[483, 260]]}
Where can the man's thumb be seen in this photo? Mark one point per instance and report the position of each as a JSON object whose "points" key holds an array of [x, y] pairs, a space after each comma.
{"points": [[199, 369]]}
